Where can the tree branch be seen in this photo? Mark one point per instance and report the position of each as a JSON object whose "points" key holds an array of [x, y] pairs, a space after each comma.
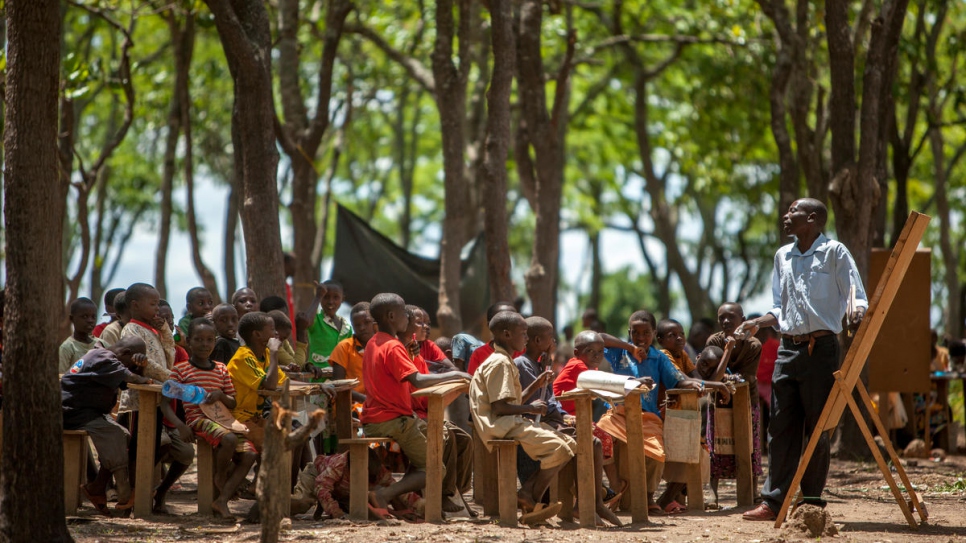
{"points": [[416, 69]]}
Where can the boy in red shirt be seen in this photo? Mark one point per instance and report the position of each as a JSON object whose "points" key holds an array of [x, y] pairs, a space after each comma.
{"points": [[390, 374]]}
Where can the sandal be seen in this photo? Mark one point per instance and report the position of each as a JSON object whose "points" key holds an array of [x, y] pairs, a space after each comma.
{"points": [[541, 513], [674, 508], [613, 501], [655, 509], [98, 501]]}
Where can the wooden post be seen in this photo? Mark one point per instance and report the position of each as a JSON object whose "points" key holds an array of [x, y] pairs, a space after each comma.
{"points": [[507, 481], [688, 401], [744, 441], [144, 470], [586, 486], [637, 471], [434, 460], [343, 414], [565, 491], [206, 477], [359, 481], [75, 467]]}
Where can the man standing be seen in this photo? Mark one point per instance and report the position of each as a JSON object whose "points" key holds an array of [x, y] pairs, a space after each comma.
{"points": [[811, 287]]}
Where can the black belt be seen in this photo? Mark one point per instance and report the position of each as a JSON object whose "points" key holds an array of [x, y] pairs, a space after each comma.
{"points": [[808, 338]]}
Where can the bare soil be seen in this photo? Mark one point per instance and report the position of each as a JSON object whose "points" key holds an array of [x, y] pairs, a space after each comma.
{"points": [[861, 508]]}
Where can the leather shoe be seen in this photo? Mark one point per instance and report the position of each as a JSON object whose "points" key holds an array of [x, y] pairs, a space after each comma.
{"points": [[762, 512]]}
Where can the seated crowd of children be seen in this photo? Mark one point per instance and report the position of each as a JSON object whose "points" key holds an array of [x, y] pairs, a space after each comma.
{"points": [[235, 350]]}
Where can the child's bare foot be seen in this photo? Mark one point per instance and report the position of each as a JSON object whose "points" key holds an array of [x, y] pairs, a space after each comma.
{"points": [[219, 509], [450, 505], [159, 507], [525, 501], [607, 514]]}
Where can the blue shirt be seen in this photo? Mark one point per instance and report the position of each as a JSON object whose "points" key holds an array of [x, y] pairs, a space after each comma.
{"points": [[810, 290], [529, 371], [657, 366]]}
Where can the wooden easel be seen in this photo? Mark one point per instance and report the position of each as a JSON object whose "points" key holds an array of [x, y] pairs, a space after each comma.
{"points": [[847, 378]]}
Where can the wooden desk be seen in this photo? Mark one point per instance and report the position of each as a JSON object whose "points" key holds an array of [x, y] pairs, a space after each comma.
{"points": [[586, 483], [148, 398], [439, 397], [635, 456]]}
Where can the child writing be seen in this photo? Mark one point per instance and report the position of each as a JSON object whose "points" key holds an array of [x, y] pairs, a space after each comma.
{"points": [[83, 317], [327, 328], [88, 394], [225, 317], [234, 454], [496, 404], [390, 376], [198, 303], [347, 357]]}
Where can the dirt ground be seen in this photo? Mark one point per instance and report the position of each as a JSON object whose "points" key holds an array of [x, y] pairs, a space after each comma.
{"points": [[860, 504]]}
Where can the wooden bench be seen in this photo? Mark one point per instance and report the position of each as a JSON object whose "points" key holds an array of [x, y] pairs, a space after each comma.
{"points": [[506, 461], [359, 474], [206, 477], [75, 468]]}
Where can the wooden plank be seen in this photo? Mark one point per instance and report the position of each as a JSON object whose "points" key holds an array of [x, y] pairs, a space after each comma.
{"points": [[586, 486], [75, 451], [565, 491], [143, 478], [507, 482], [434, 459], [358, 481], [855, 359], [688, 401], [461, 386], [206, 477], [744, 439], [635, 452]]}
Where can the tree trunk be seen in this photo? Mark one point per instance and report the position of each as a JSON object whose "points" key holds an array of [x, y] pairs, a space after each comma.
{"points": [[950, 252], [31, 484], [231, 228], [246, 38], [494, 169], [450, 89]]}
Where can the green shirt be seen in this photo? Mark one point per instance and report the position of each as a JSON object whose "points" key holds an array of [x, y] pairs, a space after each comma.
{"points": [[324, 335]]}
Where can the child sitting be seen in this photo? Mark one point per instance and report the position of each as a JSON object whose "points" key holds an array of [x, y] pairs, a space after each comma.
{"points": [[225, 317], [254, 367], [496, 404], [83, 317], [88, 394], [112, 332], [710, 361], [288, 357], [234, 454], [198, 303], [346, 358], [390, 376], [482, 352], [327, 328], [245, 301], [109, 310]]}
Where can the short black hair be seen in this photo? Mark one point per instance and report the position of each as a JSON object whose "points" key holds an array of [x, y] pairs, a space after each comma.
{"points": [[585, 338], [81, 303], [195, 291], [361, 307], [643, 316], [538, 325], [197, 323], [163, 303], [280, 318], [444, 343], [137, 291], [384, 302], [271, 303], [110, 295], [332, 283], [234, 297], [222, 307], [811, 205], [498, 307], [250, 322], [712, 350], [505, 320], [120, 302], [665, 325]]}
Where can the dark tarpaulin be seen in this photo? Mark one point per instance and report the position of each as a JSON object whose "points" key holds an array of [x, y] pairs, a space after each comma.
{"points": [[367, 263]]}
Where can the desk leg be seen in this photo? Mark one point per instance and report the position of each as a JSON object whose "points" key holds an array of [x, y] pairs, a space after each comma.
{"points": [[565, 491], [144, 477], [358, 481], [206, 481], [586, 483], [75, 468], [434, 460], [635, 460], [343, 414], [743, 447]]}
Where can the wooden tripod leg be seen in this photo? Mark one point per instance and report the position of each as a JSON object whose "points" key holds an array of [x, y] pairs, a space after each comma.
{"points": [[877, 455], [867, 400]]}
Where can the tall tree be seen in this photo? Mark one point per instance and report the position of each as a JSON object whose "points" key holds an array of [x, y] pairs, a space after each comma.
{"points": [[243, 27], [31, 484]]}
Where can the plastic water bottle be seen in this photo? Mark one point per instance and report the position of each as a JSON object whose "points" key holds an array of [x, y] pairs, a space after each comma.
{"points": [[186, 393]]}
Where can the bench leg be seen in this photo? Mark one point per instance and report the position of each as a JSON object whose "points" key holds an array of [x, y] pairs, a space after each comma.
{"points": [[358, 481], [206, 477], [75, 468], [565, 492], [507, 461]]}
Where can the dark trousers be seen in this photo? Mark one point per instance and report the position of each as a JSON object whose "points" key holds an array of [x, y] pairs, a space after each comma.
{"points": [[801, 384]]}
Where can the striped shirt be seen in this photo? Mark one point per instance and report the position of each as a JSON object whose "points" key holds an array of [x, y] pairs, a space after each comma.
{"points": [[216, 378]]}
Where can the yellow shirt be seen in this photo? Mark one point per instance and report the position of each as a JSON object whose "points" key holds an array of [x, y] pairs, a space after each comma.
{"points": [[248, 375]]}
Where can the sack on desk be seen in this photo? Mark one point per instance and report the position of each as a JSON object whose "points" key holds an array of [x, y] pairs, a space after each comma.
{"points": [[682, 436], [724, 436]]}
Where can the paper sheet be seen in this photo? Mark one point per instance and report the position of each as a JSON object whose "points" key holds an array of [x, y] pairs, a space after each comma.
{"points": [[606, 384]]}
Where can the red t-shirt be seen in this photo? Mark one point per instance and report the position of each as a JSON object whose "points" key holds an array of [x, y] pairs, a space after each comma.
{"points": [[431, 352], [480, 355], [99, 328], [420, 405], [385, 365], [567, 380]]}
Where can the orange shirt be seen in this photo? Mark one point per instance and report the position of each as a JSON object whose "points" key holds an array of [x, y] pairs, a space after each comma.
{"points": [[385, 366], [348, 355]]}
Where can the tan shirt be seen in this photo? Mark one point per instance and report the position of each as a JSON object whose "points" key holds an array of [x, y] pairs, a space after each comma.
{"points": [[496, 379], [160, 354], [110, 335], [71, 351]]}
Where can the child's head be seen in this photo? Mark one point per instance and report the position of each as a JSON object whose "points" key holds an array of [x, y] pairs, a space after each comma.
{"points": [[423, 325], [142, 302], [256, 328], [201, 338], [389, 312], [589, 347], [333, 298], [730, 315], [708, 361], [83, 315], [244, 300], [509, 330], [225, 317], [121, 310], [497, 308], [109, 301], [199, 302], [540, 336], [414, 328], [283, 324], [670, 335], [363, 326], [166, 313], [445, 344], [272, 303], [125, 349], [640, 329]]}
